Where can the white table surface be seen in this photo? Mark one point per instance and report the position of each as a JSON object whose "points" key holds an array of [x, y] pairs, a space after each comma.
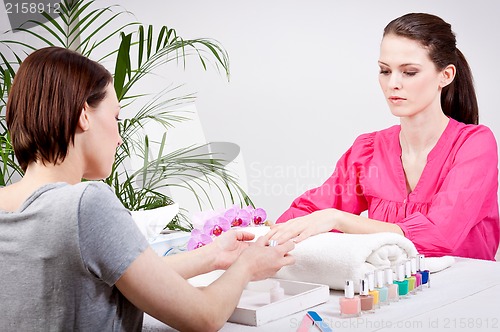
{"points": [[465, 296]]}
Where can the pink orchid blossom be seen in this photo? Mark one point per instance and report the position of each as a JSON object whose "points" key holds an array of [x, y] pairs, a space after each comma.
{"points": [[258, 216], [216, 225], [238, 217], [198, 239], [210, 224]]}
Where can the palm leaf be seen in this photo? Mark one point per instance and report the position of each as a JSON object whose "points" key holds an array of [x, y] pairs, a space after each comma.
{"points": [[169, 47]]}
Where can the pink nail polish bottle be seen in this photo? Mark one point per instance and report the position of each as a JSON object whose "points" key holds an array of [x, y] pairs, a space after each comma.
{"points": [[393, 291], [416, 274], [365, 297], [350, 305]]}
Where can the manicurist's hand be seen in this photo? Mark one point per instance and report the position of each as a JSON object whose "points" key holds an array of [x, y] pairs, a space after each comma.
{"points": [[263, 261], [300, 228], [228, 246]]}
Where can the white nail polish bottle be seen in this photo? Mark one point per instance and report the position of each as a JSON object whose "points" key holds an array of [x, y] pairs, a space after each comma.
{"points": [[276, 292]]}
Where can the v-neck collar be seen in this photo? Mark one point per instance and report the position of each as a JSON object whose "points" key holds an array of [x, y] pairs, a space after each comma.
{"points": [[432, 154]]}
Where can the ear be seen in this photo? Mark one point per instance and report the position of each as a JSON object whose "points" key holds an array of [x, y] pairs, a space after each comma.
{"points": [[83, 121], [447, 75]]}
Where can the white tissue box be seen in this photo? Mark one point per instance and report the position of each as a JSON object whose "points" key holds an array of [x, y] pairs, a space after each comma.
{"points": [[169, 244], [256, 309]]}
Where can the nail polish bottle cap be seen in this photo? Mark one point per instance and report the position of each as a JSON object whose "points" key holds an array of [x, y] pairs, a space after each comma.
{"points": [[400, 273], [388, 276], [380, 278], [408, 269], [349, 289], [363, 287], [413, 261], [371, 280], [421, 263]]}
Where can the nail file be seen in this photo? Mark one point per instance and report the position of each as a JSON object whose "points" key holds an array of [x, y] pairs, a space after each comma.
{"points": [[318, 322], [306, 324]]}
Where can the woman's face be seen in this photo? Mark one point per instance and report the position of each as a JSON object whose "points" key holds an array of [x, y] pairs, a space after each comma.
{"points": [[409, 79], [103, 136]]}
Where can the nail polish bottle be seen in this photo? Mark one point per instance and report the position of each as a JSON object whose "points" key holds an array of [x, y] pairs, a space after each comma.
{"points": [[350, 305], [426, 275], [409, 277], [364, 296], [383, 292], [372, 291], [277, 292], [416, 274], [393, 291], [401, 281]]}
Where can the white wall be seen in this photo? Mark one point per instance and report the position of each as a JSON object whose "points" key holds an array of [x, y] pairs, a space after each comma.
{"points": [[304, 77]]}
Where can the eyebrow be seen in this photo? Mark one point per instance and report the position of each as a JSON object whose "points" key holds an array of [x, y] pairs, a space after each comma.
{"points": [[402, 65]]}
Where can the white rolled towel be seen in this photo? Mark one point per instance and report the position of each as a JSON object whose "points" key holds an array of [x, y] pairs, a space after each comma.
{"points": [[332, 258]]}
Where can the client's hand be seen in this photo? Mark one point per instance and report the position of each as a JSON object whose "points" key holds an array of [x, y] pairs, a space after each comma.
{"points": [[300, 228]]}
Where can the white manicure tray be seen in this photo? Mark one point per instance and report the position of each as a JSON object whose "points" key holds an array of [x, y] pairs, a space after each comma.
{"points": [[255, 307]]}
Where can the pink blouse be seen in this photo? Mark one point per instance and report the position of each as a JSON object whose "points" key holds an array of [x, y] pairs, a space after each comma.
{"points": [[453, 209]]}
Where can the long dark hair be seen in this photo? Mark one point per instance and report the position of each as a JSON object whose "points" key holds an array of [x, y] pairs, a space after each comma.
{"points": [[49, 92], [458, 99]]}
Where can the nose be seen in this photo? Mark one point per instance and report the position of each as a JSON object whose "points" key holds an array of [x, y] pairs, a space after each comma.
{"points": [[120, 141], [395, 81]]}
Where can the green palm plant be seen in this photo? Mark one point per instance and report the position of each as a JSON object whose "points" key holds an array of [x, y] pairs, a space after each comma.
{"points": [[141, 52]]}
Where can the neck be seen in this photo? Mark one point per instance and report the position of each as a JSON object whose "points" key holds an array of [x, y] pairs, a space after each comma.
{"points": [[38, 174], [420, 134]]}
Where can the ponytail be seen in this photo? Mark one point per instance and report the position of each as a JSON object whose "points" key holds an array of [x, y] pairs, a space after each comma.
{"points": [[458, 99]]}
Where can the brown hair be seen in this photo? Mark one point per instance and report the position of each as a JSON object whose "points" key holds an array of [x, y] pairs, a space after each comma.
{"points": [[47, 97], [458, 99]]}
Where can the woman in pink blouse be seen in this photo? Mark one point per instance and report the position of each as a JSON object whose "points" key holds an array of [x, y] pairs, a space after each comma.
{"points": [[434, 177]]}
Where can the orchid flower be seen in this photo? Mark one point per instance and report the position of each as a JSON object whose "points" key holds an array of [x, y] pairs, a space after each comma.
{"points": [[198, 239], [216, 225], [258, 216], [210, 224], [238, 217]]}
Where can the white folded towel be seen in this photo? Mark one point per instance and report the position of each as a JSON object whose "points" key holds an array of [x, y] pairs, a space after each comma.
{"points": [[436, 264], [332, 258]]}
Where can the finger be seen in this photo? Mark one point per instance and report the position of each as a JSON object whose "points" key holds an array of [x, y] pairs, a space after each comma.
{"points": [[274, 226], [271, 232], [301, 237], [244, 236], [262, 241], [286, 235], [286, 247], [288, 260]]}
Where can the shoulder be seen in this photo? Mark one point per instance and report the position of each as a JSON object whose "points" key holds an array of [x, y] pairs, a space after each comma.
{"points": [[95, 190], [367, 143], [98, 200], [475, 137]]}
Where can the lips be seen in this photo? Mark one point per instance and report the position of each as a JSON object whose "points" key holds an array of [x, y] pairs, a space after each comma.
{"points": [[395, 100]]}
